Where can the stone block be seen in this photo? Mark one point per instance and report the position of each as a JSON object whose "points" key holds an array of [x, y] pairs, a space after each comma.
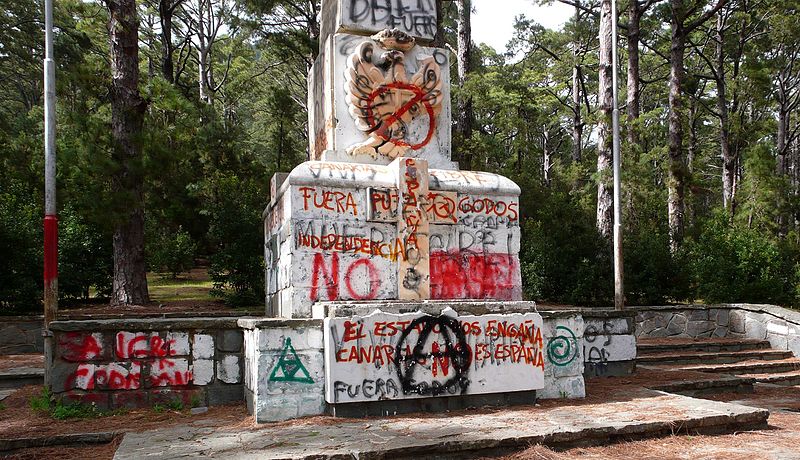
{"points": [[301, 338], [737, 321], [563, 388], [188, 398], [700, 328], [663, 319], [606, 326], [677, 325], [659, 332], [202, 371], [754, 328], [230, 340], [81, 346], [68, 376], [274, 408], [98, 399], [224, 394], [203, 346], [720, 331], [698, 315], [178, 343], [129, 399], [793, 344], [778, 341], [229, 369], [169, 372], [723, 318], [118, 376]]}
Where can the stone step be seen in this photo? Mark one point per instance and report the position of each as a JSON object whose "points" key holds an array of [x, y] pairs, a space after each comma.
{"points": [[718, 384], [790, 378], [647, 346], [720, 357], [20, 377], [632, 414], [744, 368]]}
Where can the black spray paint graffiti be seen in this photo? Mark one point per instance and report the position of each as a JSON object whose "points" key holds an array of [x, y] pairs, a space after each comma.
{"points": [[456, 353], [379, 389], [417, 17]]}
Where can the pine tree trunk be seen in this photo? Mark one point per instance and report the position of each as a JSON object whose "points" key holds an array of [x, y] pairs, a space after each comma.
{"points": [[677, 179], [577, 118], [728, 159], [127, 118], [165, 12], [633, 104], [465, 112], [605, 199], [577, 113]]}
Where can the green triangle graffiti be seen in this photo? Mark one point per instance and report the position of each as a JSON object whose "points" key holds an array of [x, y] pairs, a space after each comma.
{"points": [[289, 366]]}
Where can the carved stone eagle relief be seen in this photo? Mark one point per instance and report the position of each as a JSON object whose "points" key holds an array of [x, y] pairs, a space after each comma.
{"points": [[383, 101]]}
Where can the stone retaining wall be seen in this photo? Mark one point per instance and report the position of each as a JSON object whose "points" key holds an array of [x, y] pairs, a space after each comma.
{"points": [[21, 334], [285, 367], [143, 362], [780, 326]]}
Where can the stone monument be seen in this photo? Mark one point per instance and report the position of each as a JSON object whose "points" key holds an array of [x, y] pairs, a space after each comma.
{"points": [[412, 264]]}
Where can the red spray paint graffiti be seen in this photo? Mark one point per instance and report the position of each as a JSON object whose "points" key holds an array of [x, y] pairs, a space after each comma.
{"points": [[465, 275], [78, 346], [323, 275]]}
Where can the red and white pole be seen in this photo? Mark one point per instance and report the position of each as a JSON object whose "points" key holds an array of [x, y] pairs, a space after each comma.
{"points": [[50, 212]]}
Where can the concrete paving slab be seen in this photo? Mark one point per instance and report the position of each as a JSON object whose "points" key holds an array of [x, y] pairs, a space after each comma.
{"points": [[635, 414]]}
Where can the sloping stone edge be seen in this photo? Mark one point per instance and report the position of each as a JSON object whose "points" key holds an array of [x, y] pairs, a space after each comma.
{"points": [[58, 440]]}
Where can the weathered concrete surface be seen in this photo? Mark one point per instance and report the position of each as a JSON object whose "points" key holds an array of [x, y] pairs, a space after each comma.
{"points": [[640, 413]]}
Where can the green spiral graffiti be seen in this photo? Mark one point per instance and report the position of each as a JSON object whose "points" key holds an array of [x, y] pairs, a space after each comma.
{"points": [[560, 351]]}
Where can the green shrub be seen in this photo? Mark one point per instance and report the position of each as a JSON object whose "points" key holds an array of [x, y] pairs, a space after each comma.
{"points": [[85, 257], [170, 252], [563, 259], [21, 251], [237, 266], [737, 264]]}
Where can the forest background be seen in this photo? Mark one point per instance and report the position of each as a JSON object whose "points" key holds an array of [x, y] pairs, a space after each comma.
{"points": [[711, 155]]}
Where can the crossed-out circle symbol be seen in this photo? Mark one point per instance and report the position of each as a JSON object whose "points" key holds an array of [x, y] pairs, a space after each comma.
{"points": [[559, 348], [382, 126]]}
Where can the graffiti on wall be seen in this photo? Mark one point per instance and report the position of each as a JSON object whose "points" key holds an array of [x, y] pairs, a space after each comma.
{"points": [[289, 368], [388, 356], [416, 17], [562, 349]]}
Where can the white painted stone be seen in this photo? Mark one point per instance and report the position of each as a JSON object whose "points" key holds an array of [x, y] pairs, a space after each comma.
{"points": [[414, 17], [84, 377], [178, 343], [119, 375], [228, 369], [170, 372], [607, 326], [203, 346], [496, 363], [203, 371], [609, 348], [272, 339]]}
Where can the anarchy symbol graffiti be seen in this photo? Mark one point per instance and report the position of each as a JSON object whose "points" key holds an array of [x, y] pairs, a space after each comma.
{"points": [[455, 353]]}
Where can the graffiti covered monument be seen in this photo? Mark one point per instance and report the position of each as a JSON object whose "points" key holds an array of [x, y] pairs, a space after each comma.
{"points": [[392, 278], [380, 225]]}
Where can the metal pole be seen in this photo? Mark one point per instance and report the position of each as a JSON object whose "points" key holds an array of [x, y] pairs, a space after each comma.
{"points": [[619, 289], [50, 213]]}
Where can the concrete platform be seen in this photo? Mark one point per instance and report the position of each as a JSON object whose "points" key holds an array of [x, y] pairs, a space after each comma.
{"points": [[638, 413]]}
